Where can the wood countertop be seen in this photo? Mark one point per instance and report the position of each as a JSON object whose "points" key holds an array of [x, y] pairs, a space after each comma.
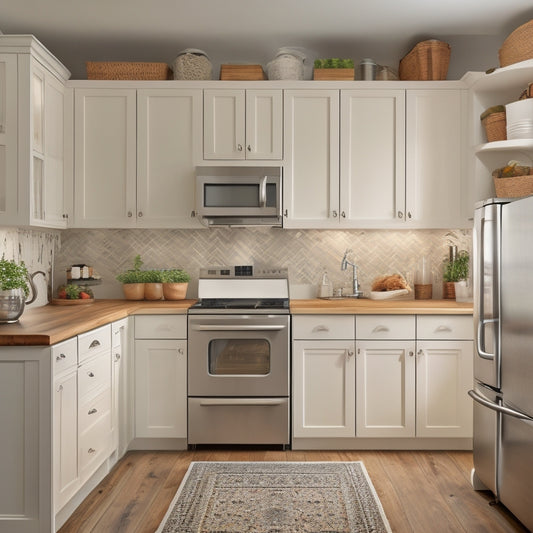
{"points": [[380, 307], [54, 323], [51, 324]]}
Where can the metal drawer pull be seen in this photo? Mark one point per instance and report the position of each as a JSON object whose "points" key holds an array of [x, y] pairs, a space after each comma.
{"points": [[117, 357], [241, 401], [90, 374], [350, 353], [245, 327], [61, 356], [498, 408], [316, 329], [92, 411], [94, 344], [91, 450], [443, 328], [379, 329]]}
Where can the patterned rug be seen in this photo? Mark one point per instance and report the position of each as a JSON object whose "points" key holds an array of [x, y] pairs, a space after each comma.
{"points": [[275, 497]]}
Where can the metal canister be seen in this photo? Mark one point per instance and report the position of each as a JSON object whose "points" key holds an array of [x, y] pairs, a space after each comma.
{"points": [[367, 69]]}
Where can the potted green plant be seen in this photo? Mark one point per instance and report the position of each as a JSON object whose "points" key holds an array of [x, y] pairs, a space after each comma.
{"points": [[133, 280], [456, 269], [334, 69], [175, 283], [13, 289], [153, 284]]}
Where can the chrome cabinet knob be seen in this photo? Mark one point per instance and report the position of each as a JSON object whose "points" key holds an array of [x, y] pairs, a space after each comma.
{"points": [[400, 214]]}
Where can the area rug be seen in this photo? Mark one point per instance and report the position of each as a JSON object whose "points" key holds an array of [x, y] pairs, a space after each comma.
{"points": [[275, 497]]}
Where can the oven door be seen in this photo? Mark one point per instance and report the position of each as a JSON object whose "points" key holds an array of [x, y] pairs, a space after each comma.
{"points": [[238, 355]]}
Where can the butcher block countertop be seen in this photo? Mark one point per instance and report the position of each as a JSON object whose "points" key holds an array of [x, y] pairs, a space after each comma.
{"points": [[51, 324], [54, 323], [365, 306]]}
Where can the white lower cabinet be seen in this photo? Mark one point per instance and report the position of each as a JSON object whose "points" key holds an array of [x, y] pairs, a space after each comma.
{"points": [[385, 385], [160, 377]]}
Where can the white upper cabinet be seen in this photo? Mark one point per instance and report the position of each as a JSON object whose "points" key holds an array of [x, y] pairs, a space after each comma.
{"points": [[32, 87], [243, 124], [134, 157], [105, 157], [168, 138], [372, 147], [435, 166], [311, 177]]}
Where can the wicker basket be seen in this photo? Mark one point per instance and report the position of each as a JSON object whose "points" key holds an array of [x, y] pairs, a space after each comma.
{"points": [[428, 60], [518, 46], [515, 187], [121, 70], [495, 126]]}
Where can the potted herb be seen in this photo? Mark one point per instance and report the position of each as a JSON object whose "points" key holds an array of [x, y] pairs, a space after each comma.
{"points": [[334, 69], [153, 284], [456, 269], [175, 283], [13, 289], [133, 280]]}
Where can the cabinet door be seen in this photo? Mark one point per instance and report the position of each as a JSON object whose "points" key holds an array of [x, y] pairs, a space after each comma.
{"points": [[121, 409], [373, 158], [8, 138], [385, 385], [323, 389], [168, 138], [435, 166], [443, 377], [65, 444], [105, 157], [161, 388], [264, 123], [311, 178], [224, 124]]}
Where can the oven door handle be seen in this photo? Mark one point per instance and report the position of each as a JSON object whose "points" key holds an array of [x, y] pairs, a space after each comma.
{"points": [[267, 402], [245, 327]]}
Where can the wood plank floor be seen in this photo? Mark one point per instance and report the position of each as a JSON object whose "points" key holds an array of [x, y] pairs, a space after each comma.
{"points": [[421, 492]]}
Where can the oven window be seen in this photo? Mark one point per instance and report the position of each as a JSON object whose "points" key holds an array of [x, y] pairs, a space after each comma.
{"points": [[239, 356]]}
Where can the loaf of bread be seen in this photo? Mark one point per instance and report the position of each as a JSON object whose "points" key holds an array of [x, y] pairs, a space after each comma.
{"points": [[393, 282]]}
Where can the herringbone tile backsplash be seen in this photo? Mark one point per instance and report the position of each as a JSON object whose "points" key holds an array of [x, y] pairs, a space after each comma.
{"points": [[305, 252]]}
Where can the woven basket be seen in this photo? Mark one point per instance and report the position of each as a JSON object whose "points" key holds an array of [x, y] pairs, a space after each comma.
{"points": [[428, 60], [122, 70], [513, 187], [518, 46], [495, 127]]}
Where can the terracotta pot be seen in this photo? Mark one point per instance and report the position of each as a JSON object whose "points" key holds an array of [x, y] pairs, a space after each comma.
{"points": [[153, 291], [133, 291], [175, 291], [448, 290]]}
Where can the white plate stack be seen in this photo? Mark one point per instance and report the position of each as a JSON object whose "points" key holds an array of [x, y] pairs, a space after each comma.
{"points": [[519, 117]]}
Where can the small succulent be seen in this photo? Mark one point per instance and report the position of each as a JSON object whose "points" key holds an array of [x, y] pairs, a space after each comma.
{"points": [[334, 62]]}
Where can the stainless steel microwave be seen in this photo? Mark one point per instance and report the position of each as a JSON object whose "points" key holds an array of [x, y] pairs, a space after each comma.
{"points": [[239, 196]]}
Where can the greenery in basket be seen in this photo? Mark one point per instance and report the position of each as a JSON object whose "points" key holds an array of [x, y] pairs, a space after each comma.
{"points": [[175, 276], [334, 63], [457, 270], [13, 275]]}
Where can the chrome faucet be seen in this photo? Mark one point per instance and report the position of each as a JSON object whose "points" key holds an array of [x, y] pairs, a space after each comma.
{"points": [[356, 292]]}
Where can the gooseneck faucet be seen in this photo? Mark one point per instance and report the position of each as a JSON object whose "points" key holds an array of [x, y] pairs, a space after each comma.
{"points": [[356, 292]]}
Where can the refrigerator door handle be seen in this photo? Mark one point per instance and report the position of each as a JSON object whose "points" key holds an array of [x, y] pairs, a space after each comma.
{"points": [[498, 408], [480, 336]]}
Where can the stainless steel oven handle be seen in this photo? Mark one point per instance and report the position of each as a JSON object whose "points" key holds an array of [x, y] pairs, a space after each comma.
{"points": [[268, 402], [245, 327], [499, 408]]}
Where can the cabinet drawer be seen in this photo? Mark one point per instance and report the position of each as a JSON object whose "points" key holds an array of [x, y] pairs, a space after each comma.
{"points": [[385, 327], [94, 376], [95, 446], [445, 327], [161, 327], [94, 342], [91, 411], [64, 355], [323, 327]]}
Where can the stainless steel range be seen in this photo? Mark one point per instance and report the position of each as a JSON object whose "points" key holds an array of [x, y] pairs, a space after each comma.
{"points": [[238, 362]]}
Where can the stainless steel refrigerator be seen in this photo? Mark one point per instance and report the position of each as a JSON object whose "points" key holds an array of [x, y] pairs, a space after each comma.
{"points": [[503, 362]]}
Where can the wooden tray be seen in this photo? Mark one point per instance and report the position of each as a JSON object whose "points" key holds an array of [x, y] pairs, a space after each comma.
{"points": [[64, 301], [334, 74], [242, 72]]}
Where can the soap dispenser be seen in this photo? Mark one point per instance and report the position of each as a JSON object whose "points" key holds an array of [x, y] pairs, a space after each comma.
{"points": [[325, 290]]}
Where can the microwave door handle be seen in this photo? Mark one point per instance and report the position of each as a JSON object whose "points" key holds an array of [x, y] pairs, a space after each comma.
{"points": [[263, 192]]}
